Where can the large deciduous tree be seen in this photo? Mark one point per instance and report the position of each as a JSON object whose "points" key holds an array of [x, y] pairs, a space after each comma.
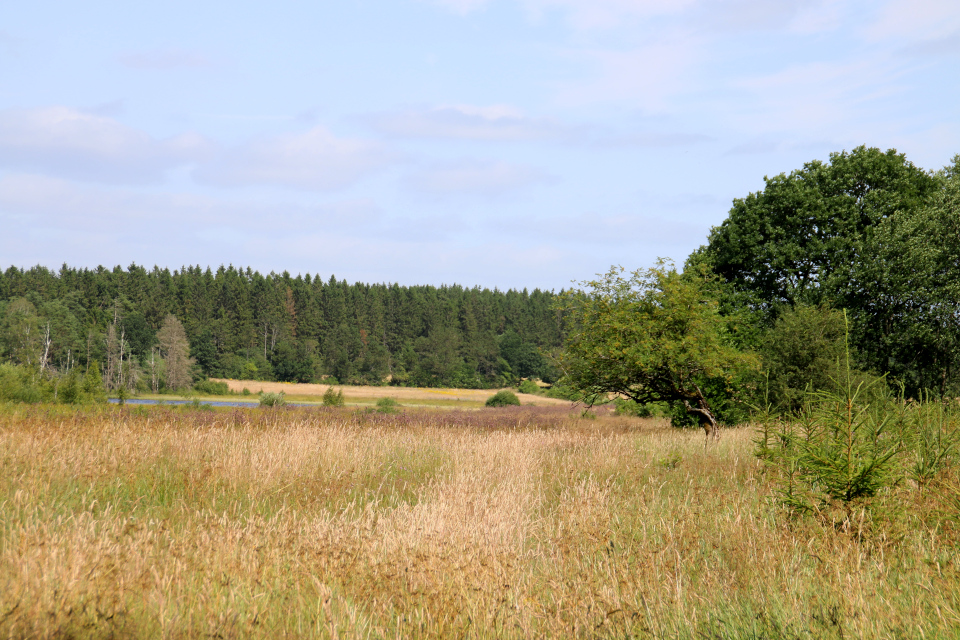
{"points": [[868, 232], [655, 336], [904, 292], [782, 245]]}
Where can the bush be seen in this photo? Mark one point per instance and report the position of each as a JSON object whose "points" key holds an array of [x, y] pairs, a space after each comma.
{"points": [[503, 398], [19, 384], [529, 386], [387, 405], [333, 398], [623, 407], [211, 388], [838, 455], [562, 392], [272, 399]]}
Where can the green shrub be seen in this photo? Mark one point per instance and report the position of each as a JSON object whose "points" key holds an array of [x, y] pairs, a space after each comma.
{"points": [[387, 405], [624, 407], [562, 392], [838, 454], [245, 392], [931, 436], [17, 384], [211, 388], [272, 399], [502, 399], [529, 386], [333, 398], [20, 384]]}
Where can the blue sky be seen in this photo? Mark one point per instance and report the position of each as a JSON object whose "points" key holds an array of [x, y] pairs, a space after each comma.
{"points": [[500, 143]]}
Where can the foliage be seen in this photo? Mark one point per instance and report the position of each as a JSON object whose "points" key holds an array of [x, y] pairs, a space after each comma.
{"points": [[175, 350], [503, 398], [804, 352], [562, 391], [21, 384], [839, 453], [931, 438], [904, 294], [523, 358], [212, 388], [529, 386], [273, 399], [387, 405], [333, 398], [241, 324], [855, 233], [655, 336], [784, 243], [295, 362], [627, 407]]}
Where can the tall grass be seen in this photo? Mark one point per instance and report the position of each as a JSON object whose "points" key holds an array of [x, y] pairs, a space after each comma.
{"points": [[515, 523]]}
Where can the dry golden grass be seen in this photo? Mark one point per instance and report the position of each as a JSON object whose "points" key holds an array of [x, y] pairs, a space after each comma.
{"points": [[368, 395], [172, 523]]}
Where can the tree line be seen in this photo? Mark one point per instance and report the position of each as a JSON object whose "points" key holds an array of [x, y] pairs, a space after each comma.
{"points": [[157, 329]]}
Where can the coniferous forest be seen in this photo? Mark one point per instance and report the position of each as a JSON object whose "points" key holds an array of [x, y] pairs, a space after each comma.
{"points": [[240, 324]]}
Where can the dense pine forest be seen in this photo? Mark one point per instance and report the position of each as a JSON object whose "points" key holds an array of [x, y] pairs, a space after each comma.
{"points": [[240, 324]]}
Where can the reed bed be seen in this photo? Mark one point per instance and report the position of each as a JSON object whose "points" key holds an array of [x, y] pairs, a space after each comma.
{"points": [[508, 523]]}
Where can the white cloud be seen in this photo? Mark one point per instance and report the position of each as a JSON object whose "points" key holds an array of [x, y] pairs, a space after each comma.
{"points": [[821, 97], [461, 6], [314, 160], [496, 122], [915, 20], [67, 142], [604, 229], [159, 59], [653, 139], [474, 178], [648, 76], [51, 203], [605, 14], [752, 147]]}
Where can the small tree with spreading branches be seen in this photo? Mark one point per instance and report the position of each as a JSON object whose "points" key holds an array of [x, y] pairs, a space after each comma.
{"points": [[655, 336]]}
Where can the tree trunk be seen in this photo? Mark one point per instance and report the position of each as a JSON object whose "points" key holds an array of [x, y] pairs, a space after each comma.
{"points": [[704, 416]]}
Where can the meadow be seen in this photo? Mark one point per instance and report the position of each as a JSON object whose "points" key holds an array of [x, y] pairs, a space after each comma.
{"points": [[174, 522], [450, 398]]}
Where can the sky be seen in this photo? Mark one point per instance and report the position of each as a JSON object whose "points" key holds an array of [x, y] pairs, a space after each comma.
{"points": [[493, 143]]}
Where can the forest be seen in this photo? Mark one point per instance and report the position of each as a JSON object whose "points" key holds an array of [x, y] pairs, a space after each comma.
{"points": [[240, 324]]}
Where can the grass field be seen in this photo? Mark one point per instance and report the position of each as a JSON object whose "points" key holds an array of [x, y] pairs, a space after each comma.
{"points": [[525, 522], [410, 396]]}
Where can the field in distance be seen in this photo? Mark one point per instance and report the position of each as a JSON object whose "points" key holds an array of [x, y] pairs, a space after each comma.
{"points": [[413, 396]]}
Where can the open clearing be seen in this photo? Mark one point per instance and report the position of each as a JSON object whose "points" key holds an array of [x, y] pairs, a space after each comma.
{"points": [[524, 522], [464, 398]]}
